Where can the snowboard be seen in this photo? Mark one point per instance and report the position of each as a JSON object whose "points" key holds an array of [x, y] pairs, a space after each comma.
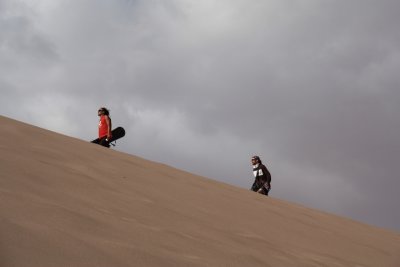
{"points": [[117, 133]]}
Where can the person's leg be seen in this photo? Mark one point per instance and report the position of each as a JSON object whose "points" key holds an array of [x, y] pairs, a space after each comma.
{"points": [[103, 142], [254, 187], [265, 191]]}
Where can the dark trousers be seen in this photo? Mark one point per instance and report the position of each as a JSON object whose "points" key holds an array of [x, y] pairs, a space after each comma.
{"points": [[255, 187], [103, 142]]}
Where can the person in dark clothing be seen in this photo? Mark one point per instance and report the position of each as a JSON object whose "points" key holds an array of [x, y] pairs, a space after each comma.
{"points": [[262, 181]]}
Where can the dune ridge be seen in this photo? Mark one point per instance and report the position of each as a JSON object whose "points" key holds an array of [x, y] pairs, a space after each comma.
{"points": [[67, 202]]}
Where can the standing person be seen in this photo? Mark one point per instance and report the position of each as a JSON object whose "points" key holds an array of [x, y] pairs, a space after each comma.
{"points": [[105, 134], [262, 182]]}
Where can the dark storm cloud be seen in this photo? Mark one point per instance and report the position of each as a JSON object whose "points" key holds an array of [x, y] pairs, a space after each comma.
{"points": [[20, 40], [310, 86]]}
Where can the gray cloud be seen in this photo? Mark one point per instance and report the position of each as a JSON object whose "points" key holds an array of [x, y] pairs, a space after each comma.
{"points": [[202, 85]]}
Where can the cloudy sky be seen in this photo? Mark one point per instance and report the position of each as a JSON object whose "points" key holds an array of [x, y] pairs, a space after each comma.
{"points": [[310, 86]]}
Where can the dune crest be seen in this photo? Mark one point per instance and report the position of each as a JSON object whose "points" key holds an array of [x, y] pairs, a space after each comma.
{"points": [[67, 202]]}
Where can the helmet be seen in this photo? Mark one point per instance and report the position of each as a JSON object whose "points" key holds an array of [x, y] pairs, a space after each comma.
{"points": [[257, 158]]}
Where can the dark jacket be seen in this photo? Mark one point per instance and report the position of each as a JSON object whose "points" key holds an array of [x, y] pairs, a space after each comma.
{"points": [[262, 177]]}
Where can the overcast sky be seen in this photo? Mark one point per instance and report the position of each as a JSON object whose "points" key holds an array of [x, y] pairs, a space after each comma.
{"points": [[312, 87]]}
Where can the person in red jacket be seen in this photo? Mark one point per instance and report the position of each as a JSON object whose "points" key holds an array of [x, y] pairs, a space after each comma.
{"points": [[262, 182], [105, 134]]}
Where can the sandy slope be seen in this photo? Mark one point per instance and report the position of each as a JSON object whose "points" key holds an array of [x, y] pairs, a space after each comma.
{"points": [[66, 202]]}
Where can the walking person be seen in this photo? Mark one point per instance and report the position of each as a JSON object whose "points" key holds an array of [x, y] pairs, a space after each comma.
{"points": [[105, 134], [262, 181]]}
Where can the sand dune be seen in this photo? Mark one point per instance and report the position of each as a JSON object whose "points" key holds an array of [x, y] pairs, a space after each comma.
{"points": [[66, 202]]}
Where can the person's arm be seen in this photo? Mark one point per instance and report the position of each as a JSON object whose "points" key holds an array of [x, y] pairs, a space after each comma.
{"points": [[267, 174], [108, 121]]}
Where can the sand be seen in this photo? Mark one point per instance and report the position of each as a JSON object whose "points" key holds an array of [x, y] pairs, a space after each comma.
{"points": [[67, 202]]}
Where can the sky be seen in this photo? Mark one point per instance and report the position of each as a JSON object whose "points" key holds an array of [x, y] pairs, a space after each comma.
{"points": [[312, 87]]}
